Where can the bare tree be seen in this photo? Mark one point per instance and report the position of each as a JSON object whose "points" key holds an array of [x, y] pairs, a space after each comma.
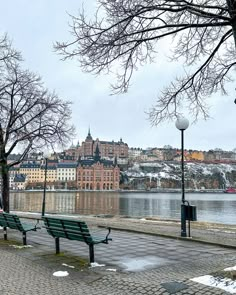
{"points": [[126, 32], [7, 53], [31, 118]]}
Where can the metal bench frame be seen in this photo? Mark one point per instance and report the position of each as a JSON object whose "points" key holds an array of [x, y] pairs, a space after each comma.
{"points": [[73, 230]]}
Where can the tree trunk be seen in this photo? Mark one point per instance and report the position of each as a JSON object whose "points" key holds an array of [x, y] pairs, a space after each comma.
{"points": [[5, 186], [232, 12]]}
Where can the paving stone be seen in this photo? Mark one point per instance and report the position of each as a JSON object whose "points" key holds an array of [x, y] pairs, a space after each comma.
{"points": [[31, 271], [174, 287]]}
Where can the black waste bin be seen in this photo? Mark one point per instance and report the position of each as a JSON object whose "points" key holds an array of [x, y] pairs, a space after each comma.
{"points": [[191, 212]]}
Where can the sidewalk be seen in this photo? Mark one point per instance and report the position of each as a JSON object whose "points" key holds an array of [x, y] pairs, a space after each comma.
{"points": [[134, 263]]}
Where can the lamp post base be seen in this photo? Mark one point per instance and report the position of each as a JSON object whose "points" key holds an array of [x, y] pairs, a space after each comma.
{"points": [[183, 221]]}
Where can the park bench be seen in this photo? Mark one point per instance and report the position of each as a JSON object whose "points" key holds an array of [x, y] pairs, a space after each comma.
{"points": [[13, 221], [73, 230]]}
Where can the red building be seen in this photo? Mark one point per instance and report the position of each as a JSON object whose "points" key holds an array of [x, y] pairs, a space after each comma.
{"points": [[108, 149], [97, 174]]}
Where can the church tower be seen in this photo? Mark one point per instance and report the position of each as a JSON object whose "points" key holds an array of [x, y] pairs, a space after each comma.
{"points": [[88, 145]]}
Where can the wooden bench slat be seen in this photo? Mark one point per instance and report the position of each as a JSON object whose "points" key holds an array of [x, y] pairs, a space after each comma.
{"points": [[73, 224], [71, 231], [69, 227], [71, 234], [59, 234]]}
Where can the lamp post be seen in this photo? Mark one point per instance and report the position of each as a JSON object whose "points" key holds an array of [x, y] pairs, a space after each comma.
{"points": [[182, 124], [45, 183]]}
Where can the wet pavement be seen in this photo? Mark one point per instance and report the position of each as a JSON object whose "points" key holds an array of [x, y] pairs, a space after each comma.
{"points": [[133, 251], [133, 263]]}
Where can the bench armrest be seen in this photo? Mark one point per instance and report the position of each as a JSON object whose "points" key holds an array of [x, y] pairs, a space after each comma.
{"points": [[30, 227], [37, 225], [108, 239]]}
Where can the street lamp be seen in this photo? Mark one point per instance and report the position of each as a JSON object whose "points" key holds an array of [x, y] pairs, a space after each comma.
{"points": [[182, 124], [46, 155]]}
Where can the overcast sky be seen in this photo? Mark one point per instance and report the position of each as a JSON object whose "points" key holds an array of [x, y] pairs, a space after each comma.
{"points": [[34, 26]]}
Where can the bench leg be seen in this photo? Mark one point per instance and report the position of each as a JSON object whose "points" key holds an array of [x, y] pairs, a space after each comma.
{"points": [[91, 253], [5, 233], [57, 243], [24, 239]]}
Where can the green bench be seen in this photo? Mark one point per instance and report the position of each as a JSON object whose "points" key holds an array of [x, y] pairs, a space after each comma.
{"points": [[73, 230], [13, 221]]}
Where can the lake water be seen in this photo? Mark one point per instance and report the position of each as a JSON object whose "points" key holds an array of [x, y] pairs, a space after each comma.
{"points": [[213, 207]]}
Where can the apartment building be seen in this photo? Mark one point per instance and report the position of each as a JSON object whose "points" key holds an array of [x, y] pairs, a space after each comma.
{"points": [[33, 171], [108, 149], [98, 175], [66, 171]]}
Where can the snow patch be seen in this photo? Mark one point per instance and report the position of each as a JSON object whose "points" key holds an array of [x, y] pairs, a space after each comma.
{"points": [[20, 247], [222, 231], [95, 264], [225, 284], [70, 266], [172, 170], [60, 274], [230, 268]]}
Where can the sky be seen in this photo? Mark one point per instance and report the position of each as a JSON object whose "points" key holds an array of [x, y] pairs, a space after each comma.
{"points": [[33, 27]]}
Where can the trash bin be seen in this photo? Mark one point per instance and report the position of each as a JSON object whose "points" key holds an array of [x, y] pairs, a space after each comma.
{"points": [[191, 212]]}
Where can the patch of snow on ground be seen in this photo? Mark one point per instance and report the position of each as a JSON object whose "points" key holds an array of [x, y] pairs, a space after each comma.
{"points": [[227, 167], [230, 268], [221, 230], [70, 266], [206, 171], [95, 264], [111, 269], [164, 174], [61, 273], [152, 164], [225, 284], [21, 247]]}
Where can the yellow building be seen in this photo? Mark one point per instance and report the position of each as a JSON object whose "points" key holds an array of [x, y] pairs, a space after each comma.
{"points": [[33, 171], [36, 172], [196, 156], [51, 171]]}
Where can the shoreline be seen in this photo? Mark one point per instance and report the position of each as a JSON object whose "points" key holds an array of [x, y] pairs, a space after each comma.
{"points": [[214, 191]]}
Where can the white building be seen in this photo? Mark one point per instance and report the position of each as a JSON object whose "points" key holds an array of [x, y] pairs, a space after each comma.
{"points": [[66, 171], [134, 152], [19, 182]]}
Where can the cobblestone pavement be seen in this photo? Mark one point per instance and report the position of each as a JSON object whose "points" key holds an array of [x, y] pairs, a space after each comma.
{"points": [[144, 264]]}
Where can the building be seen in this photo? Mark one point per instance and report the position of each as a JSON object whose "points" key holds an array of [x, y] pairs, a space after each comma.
{"points": [[66, 171], [33, 171], [108, 149], [19, 182], [134, 153], [195, 156], [160, 153], [97, 174]]}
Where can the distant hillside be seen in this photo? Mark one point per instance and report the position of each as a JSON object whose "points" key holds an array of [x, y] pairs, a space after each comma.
{"points": [[168, 175]]}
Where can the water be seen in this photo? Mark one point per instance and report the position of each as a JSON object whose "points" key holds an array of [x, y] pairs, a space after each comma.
{"points": [[217, 207]]}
